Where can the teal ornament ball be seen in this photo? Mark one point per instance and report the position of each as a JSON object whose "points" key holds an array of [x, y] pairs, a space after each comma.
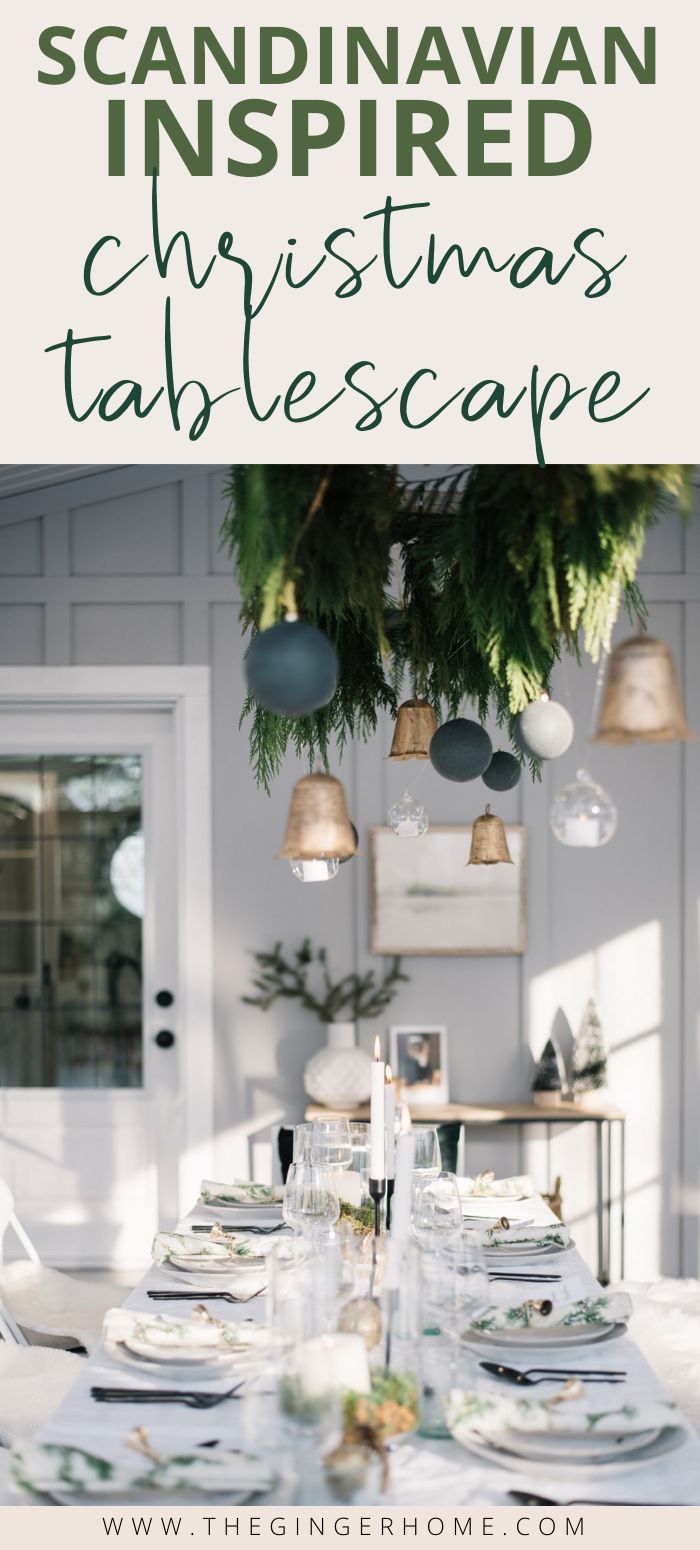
{"points": [[292, 668], [503, 772], [460, 750], [544, 729]]}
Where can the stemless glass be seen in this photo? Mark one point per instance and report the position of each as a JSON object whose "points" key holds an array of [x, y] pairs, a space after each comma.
{"points": [[330, 1143], [466, 1291], [436, 1210], [310, 1203], [427, 1156], [360, 1148], [304, 1289]]}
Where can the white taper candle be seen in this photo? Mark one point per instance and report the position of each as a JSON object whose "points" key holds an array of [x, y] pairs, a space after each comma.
{"points": [[390, 1122], [400, 1207], [376, 1115]]}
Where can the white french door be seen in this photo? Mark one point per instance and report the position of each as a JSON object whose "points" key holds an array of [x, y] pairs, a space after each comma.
{"points": [[92, 1122]]}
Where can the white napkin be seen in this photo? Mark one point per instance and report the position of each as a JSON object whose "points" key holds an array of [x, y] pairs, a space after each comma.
{"points": [[173, 1333], [469, 1410], [615, 1309], [486, 1186], [45, 1468], [528, 1235], [240, 1192], [189, 1245]]}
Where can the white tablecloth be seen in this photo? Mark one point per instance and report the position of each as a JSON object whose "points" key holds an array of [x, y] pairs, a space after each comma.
{"points": [[423, 1471]]}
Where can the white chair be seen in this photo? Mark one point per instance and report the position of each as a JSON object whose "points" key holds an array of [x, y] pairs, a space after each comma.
{"points": [[32, 1382], [50, 1308]]}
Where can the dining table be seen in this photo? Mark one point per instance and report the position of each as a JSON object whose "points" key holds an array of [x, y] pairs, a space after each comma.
{"points": [[423, 1470]]}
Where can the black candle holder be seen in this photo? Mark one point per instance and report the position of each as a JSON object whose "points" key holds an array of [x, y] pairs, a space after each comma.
{"points": [[377, 1189], [389, 1193]]}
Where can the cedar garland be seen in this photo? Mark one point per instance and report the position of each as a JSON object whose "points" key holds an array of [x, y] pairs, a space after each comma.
{"points": [[501, 568]]}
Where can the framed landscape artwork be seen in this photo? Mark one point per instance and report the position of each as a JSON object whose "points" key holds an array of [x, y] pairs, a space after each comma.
{"points": [[426, 900]]}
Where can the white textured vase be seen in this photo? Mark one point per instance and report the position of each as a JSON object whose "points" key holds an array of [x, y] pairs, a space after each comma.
{"points": [[340, 1075]]}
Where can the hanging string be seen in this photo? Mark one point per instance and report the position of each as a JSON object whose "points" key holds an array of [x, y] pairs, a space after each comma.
{"points": [[603, 663]]}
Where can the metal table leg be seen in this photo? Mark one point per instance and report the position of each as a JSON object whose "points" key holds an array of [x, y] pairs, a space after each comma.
{"points": [[599, 1199], [622, 1199], [608, 1205]]}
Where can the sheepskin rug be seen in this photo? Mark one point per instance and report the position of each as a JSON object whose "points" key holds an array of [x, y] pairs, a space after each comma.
{"points": [[33, 1382], [54, 1309], [666, 1326]]}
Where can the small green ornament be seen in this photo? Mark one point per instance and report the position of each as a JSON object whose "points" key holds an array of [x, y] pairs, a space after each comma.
{"points": [[460, 750], [503, 772]]}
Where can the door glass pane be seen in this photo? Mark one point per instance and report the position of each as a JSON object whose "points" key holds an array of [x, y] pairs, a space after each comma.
{"points": [[72, 871]]}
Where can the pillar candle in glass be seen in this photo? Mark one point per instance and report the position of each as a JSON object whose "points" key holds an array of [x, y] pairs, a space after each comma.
{"points": [[400, 1207]]}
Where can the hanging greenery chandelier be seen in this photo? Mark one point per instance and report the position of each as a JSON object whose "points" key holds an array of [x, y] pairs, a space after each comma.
{"points": [[468, 586]]}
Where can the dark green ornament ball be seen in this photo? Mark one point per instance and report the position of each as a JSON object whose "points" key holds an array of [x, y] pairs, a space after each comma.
{"points": [[503, 772], [460, 750], [292, 668]]}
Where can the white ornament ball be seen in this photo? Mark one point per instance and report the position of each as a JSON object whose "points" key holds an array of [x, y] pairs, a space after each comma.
{"points": [[544, 729]]}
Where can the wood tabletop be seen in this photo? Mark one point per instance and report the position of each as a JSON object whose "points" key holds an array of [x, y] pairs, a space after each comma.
{"points": [[567, 1110]]}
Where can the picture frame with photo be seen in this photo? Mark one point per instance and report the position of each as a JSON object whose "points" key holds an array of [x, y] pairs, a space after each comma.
{"points": [[418, 1055], [426, 900]]}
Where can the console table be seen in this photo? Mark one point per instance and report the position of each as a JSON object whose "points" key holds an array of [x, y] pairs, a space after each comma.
{"points": [[472, 1115]]}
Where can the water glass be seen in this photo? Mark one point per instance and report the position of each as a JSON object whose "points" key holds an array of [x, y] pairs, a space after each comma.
{"points": [[466, 1294], [436, 1210], [427, 1155], [310, 1203], [330, 1143], [304, 1289]]}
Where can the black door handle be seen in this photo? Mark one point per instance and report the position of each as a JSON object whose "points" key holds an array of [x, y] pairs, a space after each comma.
{"points": [[165, 1039], [164, 998]]}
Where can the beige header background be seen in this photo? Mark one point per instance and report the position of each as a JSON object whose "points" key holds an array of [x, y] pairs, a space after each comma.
{"points": [[639, 185]]}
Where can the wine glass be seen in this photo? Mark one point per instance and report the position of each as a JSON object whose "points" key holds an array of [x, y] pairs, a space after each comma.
{"points": [[427, 1154], [310, 1203], [436, 1209], [330, 1143], [302, 1142]]}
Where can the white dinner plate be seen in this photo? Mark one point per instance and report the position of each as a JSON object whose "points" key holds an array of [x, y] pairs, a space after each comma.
{"points": [[176, 1356], [670, 1438], [581, 1448], [156, 1366], [558, 1337], [217, 1204]]}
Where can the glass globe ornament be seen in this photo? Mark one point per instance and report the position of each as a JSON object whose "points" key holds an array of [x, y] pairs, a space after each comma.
{"points": [[320, 870], [583, 815], [408, 818]]}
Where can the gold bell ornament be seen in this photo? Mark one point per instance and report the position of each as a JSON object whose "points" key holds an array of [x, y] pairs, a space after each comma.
{"points": [[319, 834], [642, 698], [489, 843], [415, 725]]}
